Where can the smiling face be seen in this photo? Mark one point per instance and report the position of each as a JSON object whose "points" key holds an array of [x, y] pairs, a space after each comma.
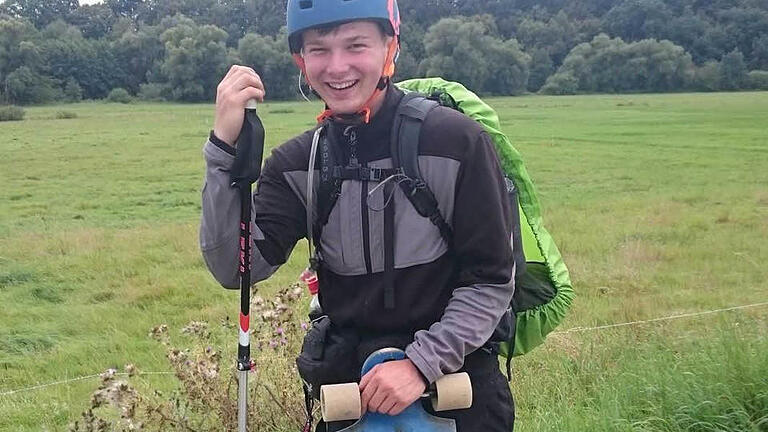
{"points": [[344, 65]]}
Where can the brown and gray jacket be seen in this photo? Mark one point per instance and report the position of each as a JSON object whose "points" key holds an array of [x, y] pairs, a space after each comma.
{"points": [[449, 300]]}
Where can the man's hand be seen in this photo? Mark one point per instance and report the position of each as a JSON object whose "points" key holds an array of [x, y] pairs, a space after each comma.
{"points": [[390, 387], [235, 89]]}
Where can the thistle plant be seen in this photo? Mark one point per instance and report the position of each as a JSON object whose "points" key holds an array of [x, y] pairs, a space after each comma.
{"points": [[202, 358]]}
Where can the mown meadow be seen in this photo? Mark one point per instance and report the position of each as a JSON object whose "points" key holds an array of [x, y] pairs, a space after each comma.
{"points": [[659, 204]]}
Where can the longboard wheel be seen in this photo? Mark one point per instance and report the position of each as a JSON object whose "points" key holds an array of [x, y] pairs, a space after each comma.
{"points": [[452, 391], [340, 402]]}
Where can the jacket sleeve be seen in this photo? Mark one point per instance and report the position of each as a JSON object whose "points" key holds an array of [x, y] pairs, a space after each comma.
{"points": [[482, 240], [277, 224]]}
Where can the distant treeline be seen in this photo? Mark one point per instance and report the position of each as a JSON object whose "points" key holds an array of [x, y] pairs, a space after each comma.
{"points": [[179, 49]]}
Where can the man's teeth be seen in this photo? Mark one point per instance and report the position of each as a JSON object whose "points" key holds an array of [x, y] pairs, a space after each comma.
{"points": [[342, 85]]}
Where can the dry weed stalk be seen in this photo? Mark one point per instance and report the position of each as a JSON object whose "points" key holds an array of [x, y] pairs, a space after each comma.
{"points": [[206, 398]]}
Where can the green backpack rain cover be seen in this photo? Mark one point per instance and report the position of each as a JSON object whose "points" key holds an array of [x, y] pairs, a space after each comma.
{"points": [[543, 294]]}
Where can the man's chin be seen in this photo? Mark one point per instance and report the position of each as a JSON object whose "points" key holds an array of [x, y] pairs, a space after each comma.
{"points": [[345, 109]]}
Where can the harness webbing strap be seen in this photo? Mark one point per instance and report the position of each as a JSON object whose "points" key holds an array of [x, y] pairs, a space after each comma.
{"points": [[308, 407], [389, 250], [311, 197], [363, 173], [511, 342], [329, 188], [446, 232]]}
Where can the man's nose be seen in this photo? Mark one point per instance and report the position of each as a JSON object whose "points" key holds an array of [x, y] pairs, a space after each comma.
{"points": [[338, 63]]}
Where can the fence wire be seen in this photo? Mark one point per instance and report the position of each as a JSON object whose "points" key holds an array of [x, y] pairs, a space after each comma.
{"points": [[571, 330]]}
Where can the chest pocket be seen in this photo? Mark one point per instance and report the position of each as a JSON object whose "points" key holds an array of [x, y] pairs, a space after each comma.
{"points": [[353, 239]]}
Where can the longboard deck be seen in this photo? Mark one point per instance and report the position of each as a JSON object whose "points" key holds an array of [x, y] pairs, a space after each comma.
{"points": [[412, 419]]}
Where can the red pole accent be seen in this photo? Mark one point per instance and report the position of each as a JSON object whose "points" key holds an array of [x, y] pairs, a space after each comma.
{"points": [[244, 322]]}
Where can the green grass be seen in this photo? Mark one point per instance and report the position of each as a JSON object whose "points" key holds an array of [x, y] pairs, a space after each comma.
{"points": [[659, 204]]}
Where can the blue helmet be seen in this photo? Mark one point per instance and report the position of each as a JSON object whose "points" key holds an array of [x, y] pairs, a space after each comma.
{"points": [[306, 14]]}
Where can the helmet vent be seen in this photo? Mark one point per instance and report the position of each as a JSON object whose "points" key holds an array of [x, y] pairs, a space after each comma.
{"points": [[305, 4]]}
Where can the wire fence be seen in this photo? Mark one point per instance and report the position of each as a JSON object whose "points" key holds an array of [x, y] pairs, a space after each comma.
{"points": [[571, 330], [654, 320], [71, 380]]}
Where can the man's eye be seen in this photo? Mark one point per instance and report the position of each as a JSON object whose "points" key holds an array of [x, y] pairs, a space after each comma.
{"points": [[357, 46]]}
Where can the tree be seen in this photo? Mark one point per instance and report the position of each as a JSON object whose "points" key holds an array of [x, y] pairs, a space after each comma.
{"points": [[658, 66], [451, 46], [758, 80], [90, 62], [742, 26], [19, 42], [269, 57], [509, 68], [733, 71], [270, 16], [120, 43], [39, 12], [688, 30], [707, 76], [556, 36], [760, 53], [541, 68], [611, 65], [136, 54], [589, 9], [531, 33], [120, 27], [236, 17], [59, 29], [196, 58], [560, 84], [94, 21], [633, 20], [72, 90], [411, 51], [463, 49], [127, 8], [25, 86], [426, 12]]}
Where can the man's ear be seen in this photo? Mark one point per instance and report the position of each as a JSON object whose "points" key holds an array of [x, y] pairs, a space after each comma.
{"points": [[299, 60]]}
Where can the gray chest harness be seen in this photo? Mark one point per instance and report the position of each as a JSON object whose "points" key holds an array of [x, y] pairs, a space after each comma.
{"points": [[408, 120]]}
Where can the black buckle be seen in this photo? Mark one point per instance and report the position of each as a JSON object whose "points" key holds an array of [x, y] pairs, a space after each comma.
{"points": [[314, 263], [375, 174], [364, 173]]}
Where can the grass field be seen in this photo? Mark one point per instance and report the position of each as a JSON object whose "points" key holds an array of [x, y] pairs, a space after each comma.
{"points": [[659, 204]]}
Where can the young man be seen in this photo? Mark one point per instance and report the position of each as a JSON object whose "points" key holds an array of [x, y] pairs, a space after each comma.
{"points": [[438, 302]]}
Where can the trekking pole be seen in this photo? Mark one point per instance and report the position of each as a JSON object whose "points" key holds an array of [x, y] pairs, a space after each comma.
{"points": [[245, 172]]}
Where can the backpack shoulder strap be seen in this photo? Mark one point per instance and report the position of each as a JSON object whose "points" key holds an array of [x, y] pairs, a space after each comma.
{"points": [[409, 118]]}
